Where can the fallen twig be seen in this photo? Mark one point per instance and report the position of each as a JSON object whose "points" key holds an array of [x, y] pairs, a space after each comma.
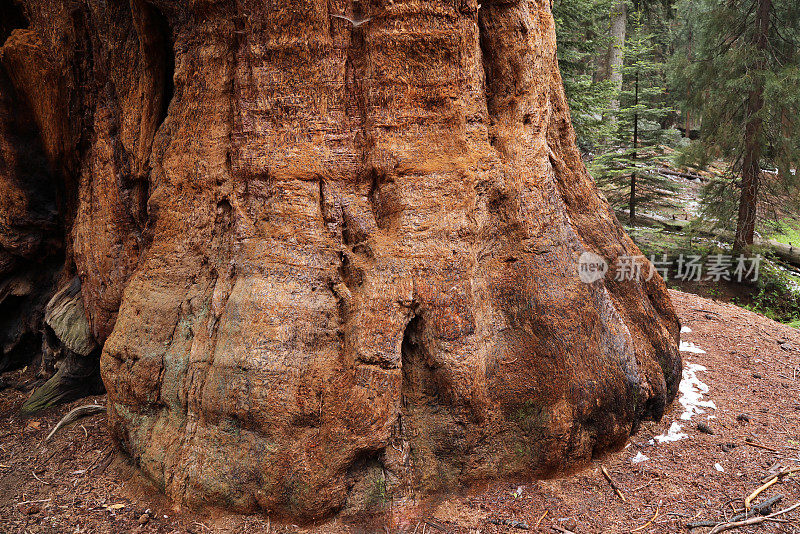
{"points": [[658, 509], [781, 474], [435, 524], [722, 527], [707, 311], [105, 463], [613, 484], [758, 491], [39, 479], [98, 460], [676, 514], [561, 529], [700, 524], [34, 502], [759, 446], [686, 175], [762, 508], [74, 415], [540, 520], [513, 523]]}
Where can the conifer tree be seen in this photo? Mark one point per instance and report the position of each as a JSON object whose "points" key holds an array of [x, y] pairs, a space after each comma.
{"points": [[583, 38], [627, 170], [748, 68]]}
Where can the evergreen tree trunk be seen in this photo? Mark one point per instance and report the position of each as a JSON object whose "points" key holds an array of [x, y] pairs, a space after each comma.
{"points": [[616, 49], [632, 202], [751, 169], [688, 118]]}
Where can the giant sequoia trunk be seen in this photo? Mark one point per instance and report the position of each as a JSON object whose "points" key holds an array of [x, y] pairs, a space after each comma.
{"points": [[327, 263]]}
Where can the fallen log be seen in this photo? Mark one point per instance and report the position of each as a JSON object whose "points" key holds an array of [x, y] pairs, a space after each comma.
{"points": [[688, 176]]}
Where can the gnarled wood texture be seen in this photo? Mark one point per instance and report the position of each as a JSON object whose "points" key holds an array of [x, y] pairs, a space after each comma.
{"points": [[330, 263]]}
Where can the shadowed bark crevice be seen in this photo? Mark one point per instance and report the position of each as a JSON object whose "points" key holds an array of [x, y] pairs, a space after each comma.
{"points": [[432, 422], [31, 252], [163, 55], [12, 17], [369, 485]]}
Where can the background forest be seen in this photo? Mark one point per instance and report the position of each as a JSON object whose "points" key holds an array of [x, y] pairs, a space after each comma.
{"points": [[686, 113]]}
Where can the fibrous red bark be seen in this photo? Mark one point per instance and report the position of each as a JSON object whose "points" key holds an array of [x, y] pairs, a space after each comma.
{"points": [[333, 263]]}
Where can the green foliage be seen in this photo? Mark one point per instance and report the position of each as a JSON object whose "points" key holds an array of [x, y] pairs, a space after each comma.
{"points": [[683, 53], [691, 63], [786, 231], [717, 67], [776, 295], [635, 145], [691, 154], [583, 38]]}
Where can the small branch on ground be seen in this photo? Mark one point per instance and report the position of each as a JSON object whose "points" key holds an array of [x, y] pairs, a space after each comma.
{"points": [[540, 520], [701, 524], [435, 524], [762, 508], [707, 311], [759, 446], [511, 523], [686, 175], [783, 473], [39, 479], [722, 527], [748, 501], [612, 483], [39, 501], [658, 509]]}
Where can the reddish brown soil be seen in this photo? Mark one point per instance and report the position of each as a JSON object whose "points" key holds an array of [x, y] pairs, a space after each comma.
{"points": [[70, 484]]}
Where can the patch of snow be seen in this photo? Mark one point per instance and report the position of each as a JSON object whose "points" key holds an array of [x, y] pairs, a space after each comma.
{"points": [[673, 434], [686, 330], [719, 468], [692, 391], [639, 458], [688, 346]]}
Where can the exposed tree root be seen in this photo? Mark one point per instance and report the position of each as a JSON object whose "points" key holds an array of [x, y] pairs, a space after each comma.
{"points": [[74, 415]]}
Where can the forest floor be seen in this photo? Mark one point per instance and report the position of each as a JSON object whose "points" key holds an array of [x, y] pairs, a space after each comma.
{"points": [[77, 483]]}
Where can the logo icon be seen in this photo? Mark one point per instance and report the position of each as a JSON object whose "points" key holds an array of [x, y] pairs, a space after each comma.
{"points": [[591, 267]]}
